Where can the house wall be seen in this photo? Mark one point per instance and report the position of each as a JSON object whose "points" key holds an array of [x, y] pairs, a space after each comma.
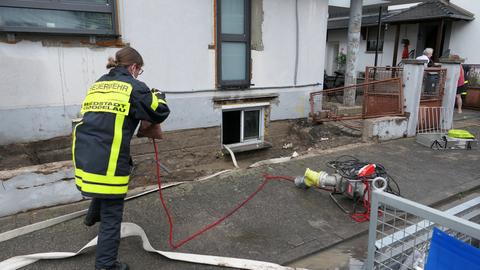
{"points": [[465, 35], [385, 58], [410, 32], [44, 85]]}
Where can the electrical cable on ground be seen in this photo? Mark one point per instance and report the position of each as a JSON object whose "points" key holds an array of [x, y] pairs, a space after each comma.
{"points": [[348, 166]]}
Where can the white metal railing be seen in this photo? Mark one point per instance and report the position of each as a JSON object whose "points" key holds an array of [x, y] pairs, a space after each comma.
{"points": [[400, 230], [431, 120]]}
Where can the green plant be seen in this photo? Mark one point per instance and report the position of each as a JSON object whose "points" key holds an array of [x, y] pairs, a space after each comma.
{"points": [[341, 60]]}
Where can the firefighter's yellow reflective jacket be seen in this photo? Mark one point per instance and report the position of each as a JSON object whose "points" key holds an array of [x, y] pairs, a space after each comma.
{"points": [[112, 109]]}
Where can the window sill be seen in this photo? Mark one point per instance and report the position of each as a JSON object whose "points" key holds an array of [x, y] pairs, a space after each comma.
{"points": [[236, 97], [247, 146], [64, 40], [372, 52]]}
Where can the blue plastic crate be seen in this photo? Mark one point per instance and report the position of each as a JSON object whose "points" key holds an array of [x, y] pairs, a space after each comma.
{"points": [[449, 253]]}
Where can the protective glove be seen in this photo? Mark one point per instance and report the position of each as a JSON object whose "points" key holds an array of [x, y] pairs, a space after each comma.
{"points": [[149, 130], [158, 93]]}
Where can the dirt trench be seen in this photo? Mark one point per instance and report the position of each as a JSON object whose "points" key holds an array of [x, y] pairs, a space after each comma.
{"points": [[189, 154]]}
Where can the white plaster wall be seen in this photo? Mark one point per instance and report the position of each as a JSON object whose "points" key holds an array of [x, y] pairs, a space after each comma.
{"points": [[173, 38], [385, 58], [43, 86], [35, 76], [312, 20], [275, 65], [465, 35], [385, 128]]}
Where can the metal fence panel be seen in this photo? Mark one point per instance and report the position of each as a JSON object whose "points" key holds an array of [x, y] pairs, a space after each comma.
{"points": [[382, 73], [372, 99], [400, 230]]}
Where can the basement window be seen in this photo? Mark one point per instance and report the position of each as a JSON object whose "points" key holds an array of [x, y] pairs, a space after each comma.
{"points": [[243, 126], [71, 17]]}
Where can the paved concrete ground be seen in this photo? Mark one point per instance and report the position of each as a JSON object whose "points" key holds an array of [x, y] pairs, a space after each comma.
{"points": [[351, 254], [280, 225]]}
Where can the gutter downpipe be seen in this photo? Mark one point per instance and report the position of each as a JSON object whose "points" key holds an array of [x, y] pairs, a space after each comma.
{"points": [[296, 43], [378, 34]]}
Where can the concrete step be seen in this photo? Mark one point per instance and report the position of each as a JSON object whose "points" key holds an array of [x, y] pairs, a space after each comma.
{"points": [[351, 127]]}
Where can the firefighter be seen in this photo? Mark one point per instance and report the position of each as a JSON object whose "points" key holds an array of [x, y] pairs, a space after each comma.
{"points": [[112, 110]]}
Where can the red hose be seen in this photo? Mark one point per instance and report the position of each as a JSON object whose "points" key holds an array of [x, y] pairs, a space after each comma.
{"points": [[362, 217], [213, 224]]}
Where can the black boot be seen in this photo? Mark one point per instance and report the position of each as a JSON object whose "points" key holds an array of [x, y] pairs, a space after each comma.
{"points": [[90, 221], [93, 213], [116, 266]]}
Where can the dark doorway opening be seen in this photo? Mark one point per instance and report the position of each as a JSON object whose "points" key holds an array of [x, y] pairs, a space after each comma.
{"points": [[431, 35], [231, 127]]}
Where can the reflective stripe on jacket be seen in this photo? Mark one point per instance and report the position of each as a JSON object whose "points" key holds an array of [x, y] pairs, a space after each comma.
{"points": [[112, 109]]}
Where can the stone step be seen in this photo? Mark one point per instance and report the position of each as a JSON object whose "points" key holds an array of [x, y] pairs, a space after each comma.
{"points": [[347, 127]]}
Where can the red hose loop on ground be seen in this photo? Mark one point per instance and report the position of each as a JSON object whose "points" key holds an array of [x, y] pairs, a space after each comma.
{"points": [[171, 242]]}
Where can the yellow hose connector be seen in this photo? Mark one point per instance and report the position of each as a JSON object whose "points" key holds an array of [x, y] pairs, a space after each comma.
{"points": [[312, 178]]}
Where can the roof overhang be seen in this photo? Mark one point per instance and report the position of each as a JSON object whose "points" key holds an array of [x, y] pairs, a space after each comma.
{"points": [[429, 11], [346, 3], [422, 12]]}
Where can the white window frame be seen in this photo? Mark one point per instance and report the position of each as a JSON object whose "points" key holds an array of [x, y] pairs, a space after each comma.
{"points": [[234, 38], [243, 108]]}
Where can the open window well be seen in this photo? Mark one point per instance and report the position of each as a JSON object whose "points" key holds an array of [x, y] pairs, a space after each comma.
{"points": [[243, 126]]}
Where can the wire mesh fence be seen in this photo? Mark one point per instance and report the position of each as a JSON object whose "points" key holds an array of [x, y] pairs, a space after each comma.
{"points": [[382, 73], [432, 131], [401, 230], [472, 75], [366, 100], [433, 85]]}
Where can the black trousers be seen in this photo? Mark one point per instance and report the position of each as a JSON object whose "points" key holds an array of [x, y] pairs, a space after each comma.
{"points": [[109, 212]]}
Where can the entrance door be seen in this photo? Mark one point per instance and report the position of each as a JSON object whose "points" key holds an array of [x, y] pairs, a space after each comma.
{"points": [[332, 53], [428, 38]]}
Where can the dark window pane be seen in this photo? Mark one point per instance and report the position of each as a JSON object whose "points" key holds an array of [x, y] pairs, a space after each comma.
{"points": [[92, 1], [51, 19], [231, 127], [251, 125], [372, 45], [233, 61], [102, 2], [372, 39], [233, 16]]}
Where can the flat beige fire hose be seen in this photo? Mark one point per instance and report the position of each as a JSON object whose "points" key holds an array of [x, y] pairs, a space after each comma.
{"points": [[132, 229], [128, 229]]}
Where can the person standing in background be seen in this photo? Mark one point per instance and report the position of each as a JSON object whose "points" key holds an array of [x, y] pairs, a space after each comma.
{"points": [[461, 89], [427, 55]]}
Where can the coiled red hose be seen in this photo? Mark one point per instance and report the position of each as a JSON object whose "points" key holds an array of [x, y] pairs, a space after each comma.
{"points": [[171, 242]]}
